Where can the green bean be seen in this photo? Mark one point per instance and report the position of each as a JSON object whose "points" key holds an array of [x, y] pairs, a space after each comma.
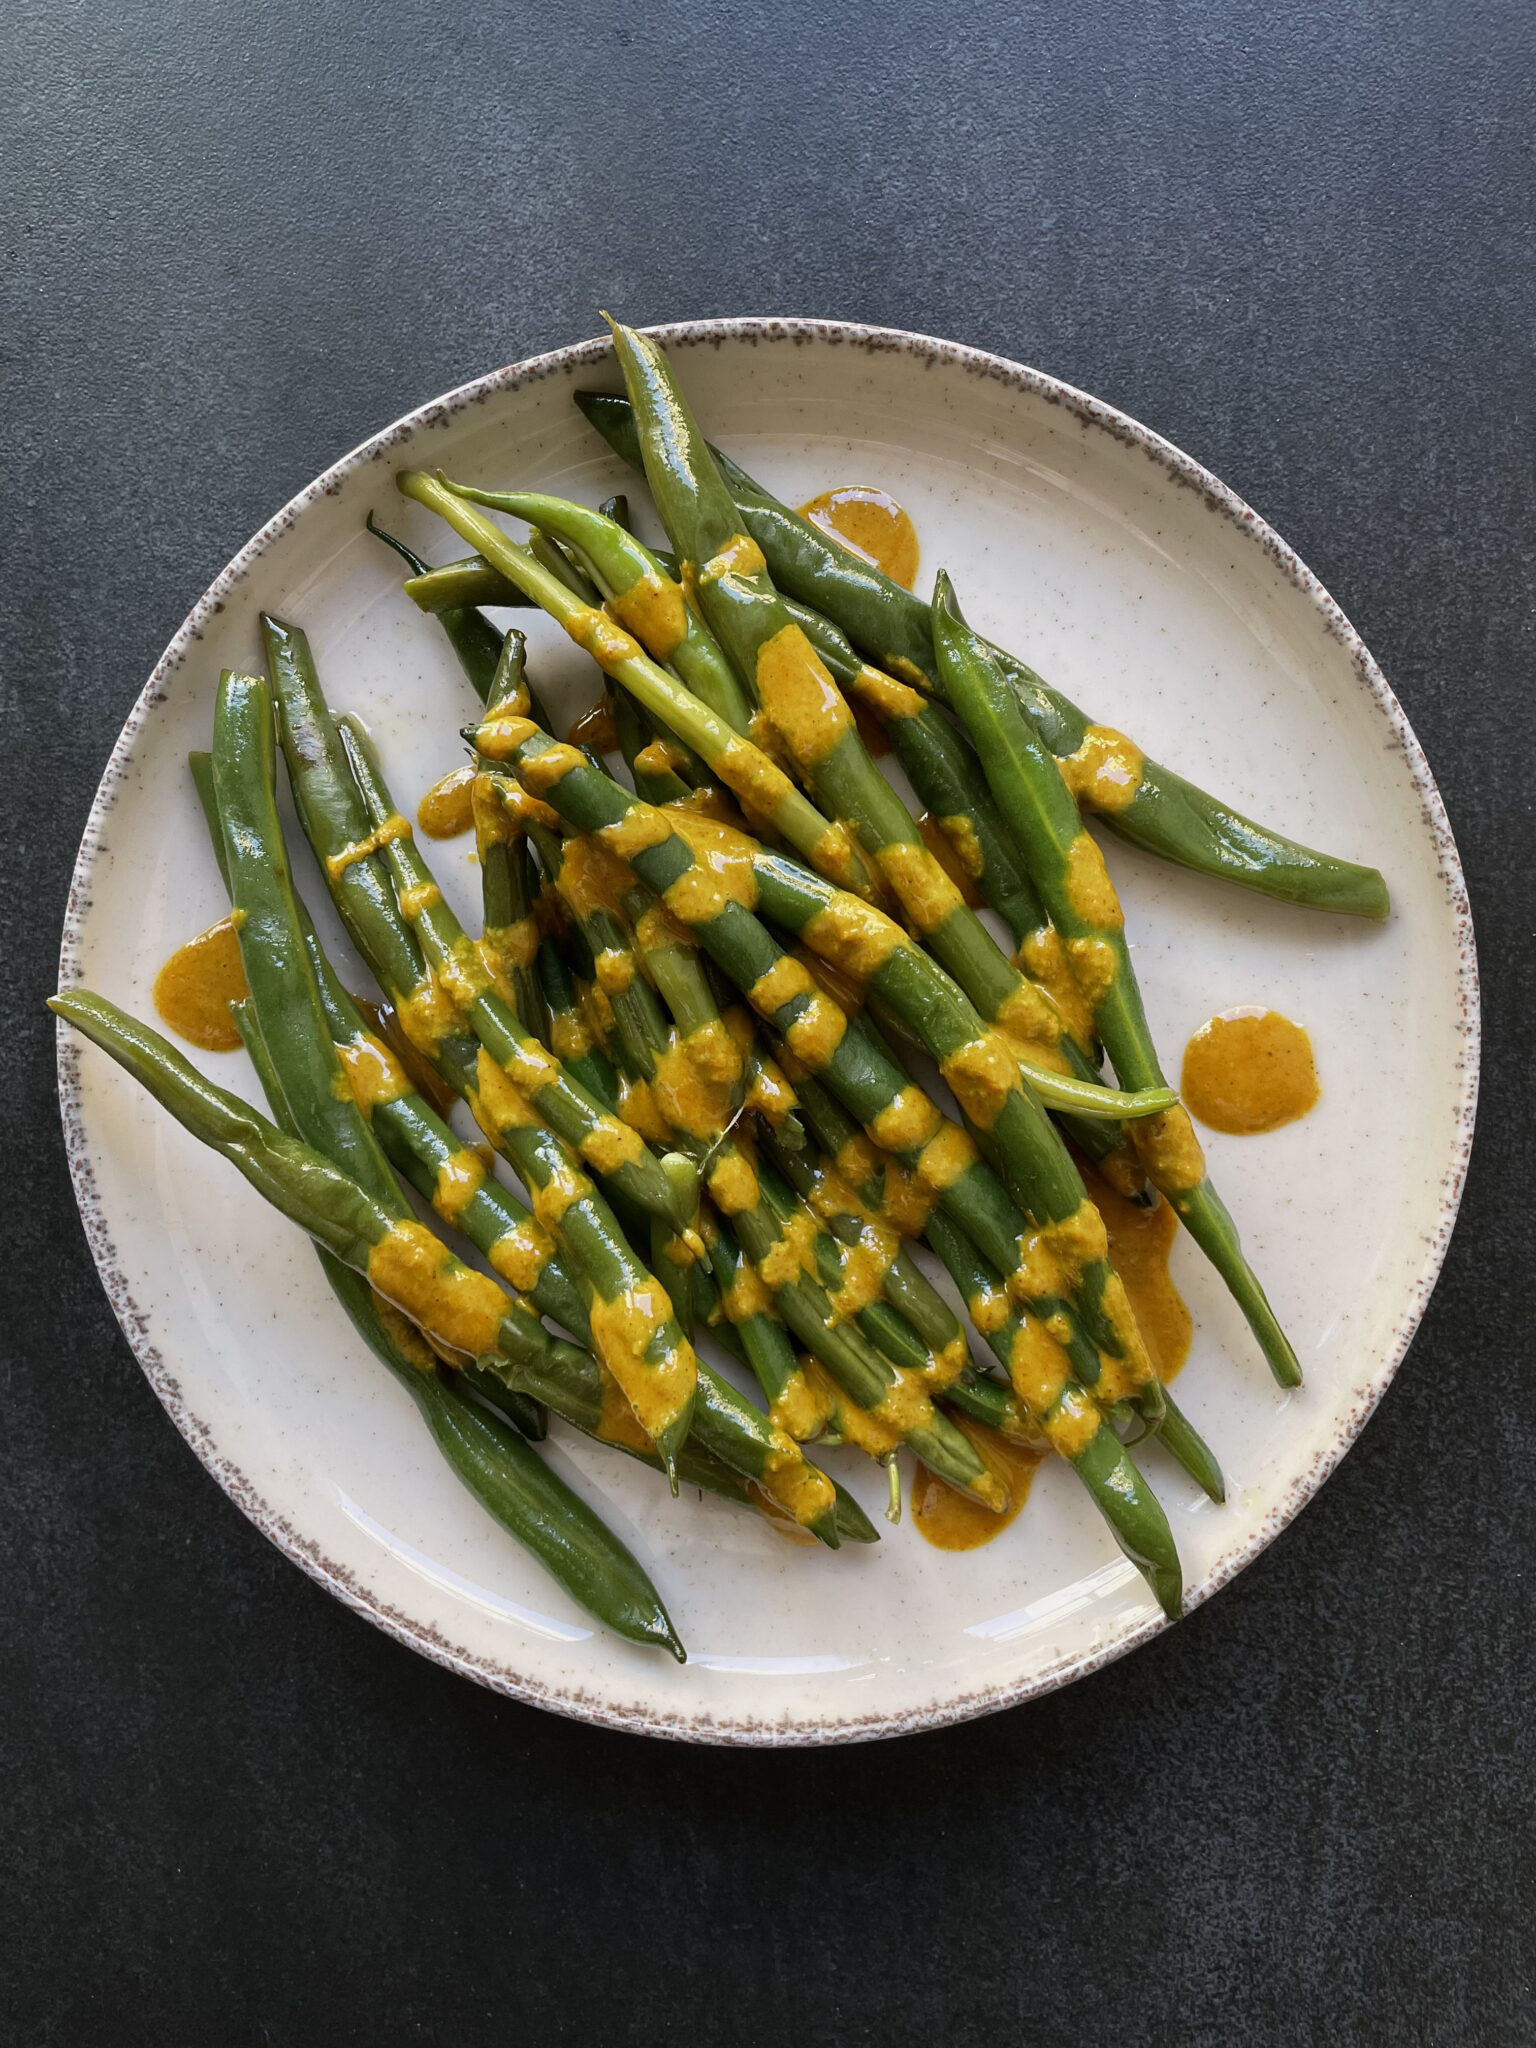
{"points": [[1069, 871], [1067, 1417], [509, 936], [649, 1357], [418, 1143], [860, 1072], [766, 1218], [642, 596], [569, 1036], [506, 1475], [640, 1341], [287, 1029], [763, 789], [802, 704], [585, 1124], [1141, 801], [284, 996], [473, 639]]}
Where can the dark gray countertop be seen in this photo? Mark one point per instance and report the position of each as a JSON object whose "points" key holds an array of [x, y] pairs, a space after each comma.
{"points": [[1299, 242]]}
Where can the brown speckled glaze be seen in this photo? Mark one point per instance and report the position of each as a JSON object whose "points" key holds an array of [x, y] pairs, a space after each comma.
{"points": [[1094, 417]]}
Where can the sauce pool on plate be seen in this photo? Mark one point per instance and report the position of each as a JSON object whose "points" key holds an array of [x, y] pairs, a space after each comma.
{"points": [[871, 523], [195, 987], [1248, 1071], [951, 1520], [448, 808]]}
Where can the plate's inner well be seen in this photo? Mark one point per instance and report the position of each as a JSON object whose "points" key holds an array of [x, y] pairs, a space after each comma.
{"points": [[1145, 601]]}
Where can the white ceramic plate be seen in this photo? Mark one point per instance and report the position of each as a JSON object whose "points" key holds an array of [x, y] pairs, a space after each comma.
{"points": [[1142, 587]]}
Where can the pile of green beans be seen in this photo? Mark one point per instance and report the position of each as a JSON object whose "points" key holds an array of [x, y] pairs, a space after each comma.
{"points": [[687, 1028]]}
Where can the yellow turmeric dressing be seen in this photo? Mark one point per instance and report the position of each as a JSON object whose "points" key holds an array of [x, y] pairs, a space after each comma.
{"points": [[950, 1520], [459, 1179], [603, 638], [816, 1033], [868, 522], [1105, 772], [768, 1094], [950, 852], [922, 885], [457, 1307], [373, 1073], [1043, 957], [871, 731], [637, 1107], [623, 1333], [801, 703], [521, 1253], [654, 611], [1248, 1071], [726, 853], [423, 1077], [853, 937], [1140, 1243], [909, 1121], [616, 1422], [696, 1080], [393, 827], [448, 808], [1089, 891], [982, 1074], [596, 729], [847, 993], [195, 987]]}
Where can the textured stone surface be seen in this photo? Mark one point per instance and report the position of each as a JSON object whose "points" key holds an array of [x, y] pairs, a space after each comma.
{"points": [[1298, 241]]}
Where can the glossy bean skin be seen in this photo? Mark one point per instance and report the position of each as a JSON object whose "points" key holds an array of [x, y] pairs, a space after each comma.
{"points": [[1168, 815]]}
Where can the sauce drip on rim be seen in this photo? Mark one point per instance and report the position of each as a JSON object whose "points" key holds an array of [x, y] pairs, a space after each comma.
{"points": [[195, 987], [1247, 1071], [448, 808], [951, 1520], [870, 523]]}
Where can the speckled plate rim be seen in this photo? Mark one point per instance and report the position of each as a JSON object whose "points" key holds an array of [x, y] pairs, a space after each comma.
{"points": [[642, 1718]]}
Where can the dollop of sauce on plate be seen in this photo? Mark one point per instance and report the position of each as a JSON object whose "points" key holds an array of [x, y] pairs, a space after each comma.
{"points": [[195, 987], [951, 1520], [1248, 1071], [870, 523], [448, 808]]}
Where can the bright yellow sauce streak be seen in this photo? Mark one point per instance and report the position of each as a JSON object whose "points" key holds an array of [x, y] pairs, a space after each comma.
{"points": [[1248, 1071], [448, 808], [950, 1520], [195, 987], [868, 522]]}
